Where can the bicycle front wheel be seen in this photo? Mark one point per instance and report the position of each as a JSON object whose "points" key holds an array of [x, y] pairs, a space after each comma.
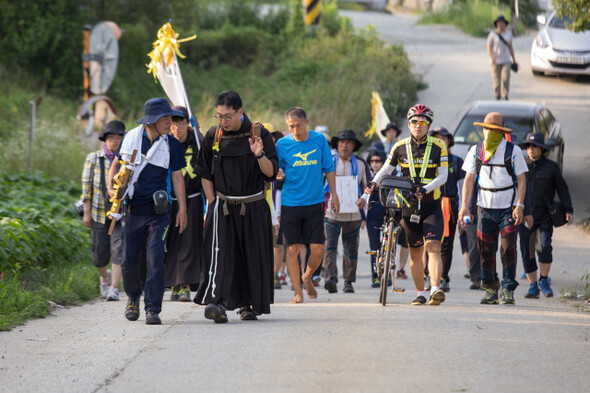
{"points": [[386, 272]]}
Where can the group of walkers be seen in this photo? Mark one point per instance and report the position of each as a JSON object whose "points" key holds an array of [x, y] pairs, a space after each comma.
{"points": [[325, 192]]}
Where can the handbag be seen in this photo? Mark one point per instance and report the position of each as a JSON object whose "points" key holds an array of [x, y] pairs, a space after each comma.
{"points": [[514, 67], [557, 214]]}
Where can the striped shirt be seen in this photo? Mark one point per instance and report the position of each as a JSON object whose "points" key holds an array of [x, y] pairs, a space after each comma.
{"points": [[92, 184]]}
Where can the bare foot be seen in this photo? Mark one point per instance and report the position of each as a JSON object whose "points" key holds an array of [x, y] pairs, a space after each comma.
{"points": [[309, 287], [297, 299]]}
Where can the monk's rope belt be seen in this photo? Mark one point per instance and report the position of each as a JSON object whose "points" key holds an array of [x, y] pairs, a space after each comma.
{"points": [[239, 200]]}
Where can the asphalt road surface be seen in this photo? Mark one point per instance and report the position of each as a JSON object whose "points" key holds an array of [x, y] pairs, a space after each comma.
{"points": [[345, 342]]}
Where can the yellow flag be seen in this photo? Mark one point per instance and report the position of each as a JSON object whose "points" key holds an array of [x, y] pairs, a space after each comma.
{"points": [[379, 118]]}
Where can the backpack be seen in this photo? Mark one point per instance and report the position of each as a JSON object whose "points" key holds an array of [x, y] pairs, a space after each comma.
{"points": [[507, 165]]}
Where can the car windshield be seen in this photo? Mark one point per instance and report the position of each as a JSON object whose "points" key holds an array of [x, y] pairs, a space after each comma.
{"points": [[559, 23], [468, 133]]}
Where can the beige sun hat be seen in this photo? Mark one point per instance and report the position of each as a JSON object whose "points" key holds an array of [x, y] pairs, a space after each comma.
{"points": [[494, 121]]}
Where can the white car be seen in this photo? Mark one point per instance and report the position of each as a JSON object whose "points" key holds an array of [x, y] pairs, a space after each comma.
{"points": [[557, 50]]}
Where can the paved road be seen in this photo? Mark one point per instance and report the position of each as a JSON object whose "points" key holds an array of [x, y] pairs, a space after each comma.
{"points": [[339, 342]]}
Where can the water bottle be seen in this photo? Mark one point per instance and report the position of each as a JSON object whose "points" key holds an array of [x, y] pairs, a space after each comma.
{"points": [[466, 219]]}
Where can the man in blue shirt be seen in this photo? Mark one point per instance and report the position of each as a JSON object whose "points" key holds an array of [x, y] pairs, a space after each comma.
{"points": [[304, 157], [147, 214]]}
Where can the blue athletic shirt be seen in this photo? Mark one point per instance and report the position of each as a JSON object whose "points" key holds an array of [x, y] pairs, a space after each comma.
{"points": [[304, 164]]}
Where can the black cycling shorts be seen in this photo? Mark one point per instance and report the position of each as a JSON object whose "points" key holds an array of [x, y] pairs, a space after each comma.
{"points": [[430, 227], [303, 224]]}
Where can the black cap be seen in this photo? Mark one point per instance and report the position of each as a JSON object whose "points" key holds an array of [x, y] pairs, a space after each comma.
{"points": [[500, 18], [444, 132], [535, 139], [114, 127], [389, 125], [346, 133]]}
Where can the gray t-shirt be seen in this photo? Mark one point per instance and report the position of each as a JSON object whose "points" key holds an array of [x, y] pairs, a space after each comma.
{"points": [[500, 51]]}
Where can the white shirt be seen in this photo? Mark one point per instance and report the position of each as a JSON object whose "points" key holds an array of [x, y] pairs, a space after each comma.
{"points": [[500, 51], [496, 177]]}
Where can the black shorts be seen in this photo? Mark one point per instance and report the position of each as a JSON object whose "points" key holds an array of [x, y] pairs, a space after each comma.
{"points": [[303, 224], [430, 227]]}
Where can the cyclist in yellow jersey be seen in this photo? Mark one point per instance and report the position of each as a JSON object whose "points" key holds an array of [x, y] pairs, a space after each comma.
{"points": [[423, 159]]}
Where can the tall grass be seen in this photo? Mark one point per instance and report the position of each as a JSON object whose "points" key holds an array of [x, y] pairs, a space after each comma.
{"points": [[473, 16]]}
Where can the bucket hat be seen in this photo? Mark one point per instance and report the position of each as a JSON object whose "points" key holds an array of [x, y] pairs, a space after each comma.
{"points": [[391, 125], [344, 134], [444, 132], [500, 18], [156, 108], [536, 139], [114, 127], [494, 121]]}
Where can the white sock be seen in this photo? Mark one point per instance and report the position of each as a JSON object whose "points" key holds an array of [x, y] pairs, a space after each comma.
{"points": [[424, 294], [433, 289]]}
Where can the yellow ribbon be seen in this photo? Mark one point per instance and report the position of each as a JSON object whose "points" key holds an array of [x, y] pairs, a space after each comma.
{"points": [[167, 41]]}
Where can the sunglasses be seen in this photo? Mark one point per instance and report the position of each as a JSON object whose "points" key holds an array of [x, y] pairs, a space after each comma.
{"points": [[421, 122], [377, 160]]}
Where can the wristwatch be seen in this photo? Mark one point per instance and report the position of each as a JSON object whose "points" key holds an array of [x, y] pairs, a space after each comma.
{"points": [[261, 155]]}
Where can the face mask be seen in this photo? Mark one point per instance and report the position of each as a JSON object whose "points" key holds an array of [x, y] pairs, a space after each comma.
{"points": [[491, 142]]}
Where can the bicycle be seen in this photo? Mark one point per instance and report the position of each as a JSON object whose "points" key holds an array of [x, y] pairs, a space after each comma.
{"points": [[394, 192]]}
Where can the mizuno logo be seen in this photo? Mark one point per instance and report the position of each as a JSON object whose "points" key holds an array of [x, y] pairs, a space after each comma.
{"points": [[303, 156]]}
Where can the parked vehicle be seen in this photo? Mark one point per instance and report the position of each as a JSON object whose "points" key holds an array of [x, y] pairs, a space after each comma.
{"points": [[557, 50], [521, 117]]}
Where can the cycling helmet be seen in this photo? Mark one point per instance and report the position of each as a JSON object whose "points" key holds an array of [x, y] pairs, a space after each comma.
{"points": [[420, 110]]}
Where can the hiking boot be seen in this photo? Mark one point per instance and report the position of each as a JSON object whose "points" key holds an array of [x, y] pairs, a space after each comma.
{"points": [[491, 297], [105, 284], [545, 284], [401, 274], [283, 279], [375, 283], [507, 296], [330, 286], [316, 281], [175, 293], [427, 283], [132, 309], [112, 294], [216, 313], [437, 297], [152, 318], [444, 285], [475, 285], [247, 314], [348, 287], [277, 282], [419, 301], [533, 292], [184, 295]]}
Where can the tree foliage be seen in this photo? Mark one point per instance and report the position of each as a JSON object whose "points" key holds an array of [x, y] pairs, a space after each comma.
{"points": [[577, 10]]}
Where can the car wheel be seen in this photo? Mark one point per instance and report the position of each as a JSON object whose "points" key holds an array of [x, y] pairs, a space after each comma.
{"points": [[537, 73]]}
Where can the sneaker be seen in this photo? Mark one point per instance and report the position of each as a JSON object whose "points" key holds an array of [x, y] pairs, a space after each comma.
{"points": [[533, 292], [277, 282], [132, 310], [507, 296], [491, 297], [283, 279], [151, 318], [444, 285], [437, 297], [216, 313], [419, 301], [184, 295], [348, 287], [175, 293], [427, 283], [475, 285], [330, 286], [401, 274], [105, 284], [316, 281], [545, 284], [375, 283], [112, 294], [247, 314]]}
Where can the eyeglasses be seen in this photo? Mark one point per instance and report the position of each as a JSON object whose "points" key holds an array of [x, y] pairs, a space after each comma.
{"points": [[225, 117], [421, 122]]}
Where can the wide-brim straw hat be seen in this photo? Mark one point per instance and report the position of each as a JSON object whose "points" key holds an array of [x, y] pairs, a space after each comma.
{"points": [[494, 121]]}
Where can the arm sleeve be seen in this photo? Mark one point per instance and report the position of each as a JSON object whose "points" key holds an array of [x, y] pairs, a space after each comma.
{"points": [[439, 180]]}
